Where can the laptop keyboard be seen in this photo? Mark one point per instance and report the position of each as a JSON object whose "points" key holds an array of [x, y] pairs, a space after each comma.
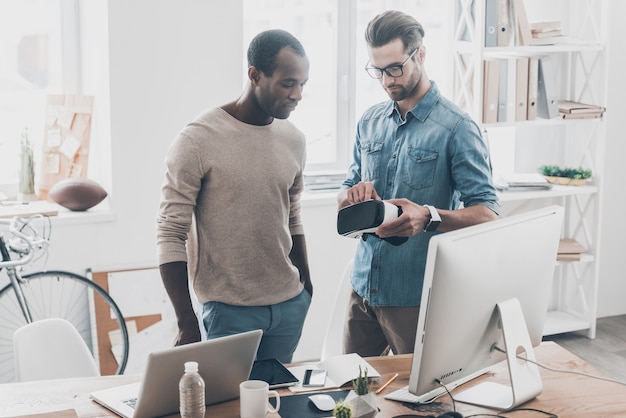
{"points": [[132, 402]]}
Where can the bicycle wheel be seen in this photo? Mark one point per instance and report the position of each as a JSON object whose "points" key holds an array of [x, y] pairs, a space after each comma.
{"points": [[61, 294]]}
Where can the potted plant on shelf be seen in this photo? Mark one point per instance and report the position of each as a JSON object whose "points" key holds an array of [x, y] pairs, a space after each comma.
{"points": [[564, 176], [579, 176], [27, 169], [550, 172], [360, 400]]}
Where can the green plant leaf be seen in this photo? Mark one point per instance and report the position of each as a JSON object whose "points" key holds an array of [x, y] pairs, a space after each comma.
{"points": [[556, 171]]}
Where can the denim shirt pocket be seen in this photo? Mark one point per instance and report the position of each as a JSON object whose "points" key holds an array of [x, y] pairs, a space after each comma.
{"points": [[371, 153], [419, 171]]}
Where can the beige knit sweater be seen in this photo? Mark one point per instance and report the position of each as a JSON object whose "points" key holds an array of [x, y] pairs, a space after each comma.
{"points": [[241, 185]]}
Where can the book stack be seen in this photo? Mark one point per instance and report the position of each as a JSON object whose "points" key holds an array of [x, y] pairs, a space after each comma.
{"points": [[546, 33], [575, 110], [570, 250], [324, 181], [517, 182]]}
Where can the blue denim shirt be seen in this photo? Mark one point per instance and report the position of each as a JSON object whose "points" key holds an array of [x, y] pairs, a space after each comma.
{"points": [[436, 157]]}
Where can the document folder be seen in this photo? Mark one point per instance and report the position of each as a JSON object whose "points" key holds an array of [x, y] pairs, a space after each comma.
{"points": [[521, 23], [491, 23], [503, 91], [521, 88], [490, 87], [504, 23], [547, 102], [533, 75]]}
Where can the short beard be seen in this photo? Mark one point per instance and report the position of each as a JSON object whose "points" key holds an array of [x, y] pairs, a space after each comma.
{"points": [[397, 96], [403, 93]]}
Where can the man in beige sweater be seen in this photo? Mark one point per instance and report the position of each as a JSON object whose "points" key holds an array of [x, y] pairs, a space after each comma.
{"points": [[229, 218]]}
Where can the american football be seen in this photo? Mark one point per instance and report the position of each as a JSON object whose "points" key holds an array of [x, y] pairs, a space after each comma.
{"points": [[77, 194]]}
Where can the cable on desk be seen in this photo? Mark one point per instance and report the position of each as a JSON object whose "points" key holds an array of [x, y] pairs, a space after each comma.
{"points": [[498, 415], [448, 392], [513, 410], [608, 379]]}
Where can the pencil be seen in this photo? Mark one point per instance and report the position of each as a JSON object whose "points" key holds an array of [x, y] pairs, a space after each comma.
{"points": [[391, 379]]}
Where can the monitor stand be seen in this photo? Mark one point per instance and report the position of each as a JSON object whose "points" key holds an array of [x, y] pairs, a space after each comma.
{"points": [[524, 376]]}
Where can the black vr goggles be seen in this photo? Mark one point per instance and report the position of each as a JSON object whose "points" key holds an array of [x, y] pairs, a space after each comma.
{"points": [[362, 219]]}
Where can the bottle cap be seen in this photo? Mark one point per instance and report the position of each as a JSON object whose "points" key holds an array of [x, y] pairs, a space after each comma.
{"points": [[191, 366]]}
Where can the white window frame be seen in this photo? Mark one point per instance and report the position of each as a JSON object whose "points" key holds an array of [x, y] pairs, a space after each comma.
{"points": [[69, 16], [347, 71]]}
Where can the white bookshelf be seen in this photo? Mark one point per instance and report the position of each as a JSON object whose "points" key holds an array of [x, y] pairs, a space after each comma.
{"points": [[580, 71]]}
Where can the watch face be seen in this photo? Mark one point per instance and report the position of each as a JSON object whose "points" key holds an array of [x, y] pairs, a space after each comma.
{"points": [[431, 225]]}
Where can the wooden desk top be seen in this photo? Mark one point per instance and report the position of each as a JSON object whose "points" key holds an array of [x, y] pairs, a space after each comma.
{"points": [[566, 395]]}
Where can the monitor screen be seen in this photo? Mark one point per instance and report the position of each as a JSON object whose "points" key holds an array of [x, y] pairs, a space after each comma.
{"points": [[468, 273]]}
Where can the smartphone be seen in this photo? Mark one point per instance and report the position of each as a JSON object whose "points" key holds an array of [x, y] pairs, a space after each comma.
{"points": [[314, 377]]}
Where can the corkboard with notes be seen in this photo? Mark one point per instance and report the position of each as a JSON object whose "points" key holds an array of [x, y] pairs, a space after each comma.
{"points": [[65, 149]]}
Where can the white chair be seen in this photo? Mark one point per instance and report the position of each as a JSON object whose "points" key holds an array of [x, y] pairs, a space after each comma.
{"points": [[51, 349], [333, 339]]}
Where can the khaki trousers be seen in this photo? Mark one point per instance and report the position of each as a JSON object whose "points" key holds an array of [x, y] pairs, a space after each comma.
{"points": [[372, 330]]}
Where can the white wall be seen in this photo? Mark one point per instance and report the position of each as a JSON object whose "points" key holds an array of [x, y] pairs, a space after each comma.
{"points": [[612, 269], [168, 61]]}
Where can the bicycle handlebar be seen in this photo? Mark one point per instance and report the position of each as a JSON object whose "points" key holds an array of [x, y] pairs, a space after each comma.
{"points": [[30, 241]]}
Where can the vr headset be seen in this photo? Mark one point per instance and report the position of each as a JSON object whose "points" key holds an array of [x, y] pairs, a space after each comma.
{"points": [[361, 219]]}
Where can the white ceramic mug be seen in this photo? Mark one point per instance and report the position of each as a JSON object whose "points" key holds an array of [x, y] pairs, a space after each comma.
{"points": [[254, 399]]}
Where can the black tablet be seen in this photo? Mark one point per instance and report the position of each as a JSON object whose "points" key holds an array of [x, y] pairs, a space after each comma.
{"points": [[273, 372]]}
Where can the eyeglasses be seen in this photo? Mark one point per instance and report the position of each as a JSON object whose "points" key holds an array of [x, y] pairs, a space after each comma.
{"points": [[394, 70]]}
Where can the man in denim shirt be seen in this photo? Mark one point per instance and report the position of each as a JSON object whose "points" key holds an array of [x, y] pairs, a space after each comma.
{"points": [[416, 149]]}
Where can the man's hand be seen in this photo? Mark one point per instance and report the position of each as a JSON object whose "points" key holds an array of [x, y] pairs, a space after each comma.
{"points": [[298, 256], [360, 192], [410, 223], [188, 334], [174, 276]]}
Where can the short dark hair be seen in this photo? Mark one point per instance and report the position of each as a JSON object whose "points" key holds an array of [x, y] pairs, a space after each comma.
{"points": [[393, 24], [266, 45]]}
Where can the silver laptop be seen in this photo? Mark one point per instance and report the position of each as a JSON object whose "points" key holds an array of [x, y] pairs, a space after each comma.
{"points": [[223, 363]]}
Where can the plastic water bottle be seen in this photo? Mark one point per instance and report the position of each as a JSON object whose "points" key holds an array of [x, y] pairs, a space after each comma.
{"points": [[191, 392]]}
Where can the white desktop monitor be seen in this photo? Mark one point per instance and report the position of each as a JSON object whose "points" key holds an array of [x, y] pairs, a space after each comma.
{"points": [[468, 273]]}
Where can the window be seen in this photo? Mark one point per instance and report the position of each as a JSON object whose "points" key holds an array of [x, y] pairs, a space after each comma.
{"points": [[38, 56], [339, 90]]}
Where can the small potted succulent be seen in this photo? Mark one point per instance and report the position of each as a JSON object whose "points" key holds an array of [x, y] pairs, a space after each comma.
{"points": [[361, 401], [342, 410]]}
